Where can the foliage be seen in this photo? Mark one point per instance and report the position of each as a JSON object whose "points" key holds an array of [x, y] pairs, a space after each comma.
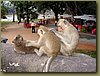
{"points": [[3, 10], [59, 7], [24, 8], [70, 7]]}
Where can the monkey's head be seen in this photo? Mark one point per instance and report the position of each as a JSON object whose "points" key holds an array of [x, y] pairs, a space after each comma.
{"points": [[62, 22], [42, 30], [17, 40]]}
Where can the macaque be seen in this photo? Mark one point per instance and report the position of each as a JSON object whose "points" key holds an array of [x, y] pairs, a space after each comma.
{"points": [[69, 37], [48, 43], [20, 46]]}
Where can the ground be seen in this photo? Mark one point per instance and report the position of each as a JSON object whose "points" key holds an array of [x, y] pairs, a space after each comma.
{"points": [[14, 29]]}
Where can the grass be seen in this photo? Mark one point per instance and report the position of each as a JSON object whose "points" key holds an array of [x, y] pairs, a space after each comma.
{"points": [[6, 23], [87, 52]]}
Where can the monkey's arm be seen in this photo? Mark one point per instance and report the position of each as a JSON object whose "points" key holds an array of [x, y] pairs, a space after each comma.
{"points": [[34, 43], [64, 38], [31, 41], [59, 34]]}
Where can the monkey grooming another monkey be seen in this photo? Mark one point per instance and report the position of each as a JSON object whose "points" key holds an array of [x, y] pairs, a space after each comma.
{"points": [[48, 43], [20, 46], [69, 37]]}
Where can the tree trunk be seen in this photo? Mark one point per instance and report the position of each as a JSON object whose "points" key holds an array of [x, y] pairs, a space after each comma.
{"points": [[68, 8], [27, 13], [13, 17], [56, 16], [13, 14], [56, 12]]}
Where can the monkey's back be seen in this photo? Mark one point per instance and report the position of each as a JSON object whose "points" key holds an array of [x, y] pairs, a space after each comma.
{"points": [[52, 42], [73, 34]]}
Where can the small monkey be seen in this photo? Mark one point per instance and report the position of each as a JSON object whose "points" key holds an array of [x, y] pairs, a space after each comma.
{"points": [[48, 43], [19, 45], [69, 37]]}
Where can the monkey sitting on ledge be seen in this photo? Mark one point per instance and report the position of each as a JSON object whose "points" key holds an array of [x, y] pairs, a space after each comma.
{"points": [[19, 46], [69, 37], [48, 43]]}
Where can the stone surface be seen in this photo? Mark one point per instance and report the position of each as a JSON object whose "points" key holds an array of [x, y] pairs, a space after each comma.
{"points": [[13, 62]]}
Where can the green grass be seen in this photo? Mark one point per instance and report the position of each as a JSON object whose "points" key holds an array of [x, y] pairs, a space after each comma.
{"points": [[6, 23], [87, 52]]}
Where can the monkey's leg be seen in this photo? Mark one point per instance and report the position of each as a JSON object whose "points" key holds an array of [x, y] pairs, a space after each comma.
{"points": [[63, 49], [20, 52], [40, 51]]}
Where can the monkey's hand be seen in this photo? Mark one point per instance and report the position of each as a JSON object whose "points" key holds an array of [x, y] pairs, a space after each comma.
{"points": [[28, 43]]}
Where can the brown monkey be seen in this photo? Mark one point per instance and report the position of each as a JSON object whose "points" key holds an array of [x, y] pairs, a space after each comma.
{"points": [[48, 43], [19, 45]]}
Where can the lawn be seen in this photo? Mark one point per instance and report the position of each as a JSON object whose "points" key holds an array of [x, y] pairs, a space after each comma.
{"points": [[6, 23], [87, 52]]}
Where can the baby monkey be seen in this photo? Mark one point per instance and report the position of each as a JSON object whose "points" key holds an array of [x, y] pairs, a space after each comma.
{"points": [[48, 43], [19, 46]]}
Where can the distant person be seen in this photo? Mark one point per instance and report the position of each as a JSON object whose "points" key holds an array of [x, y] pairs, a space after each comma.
{"points": [[25, 22], [33, 26]]}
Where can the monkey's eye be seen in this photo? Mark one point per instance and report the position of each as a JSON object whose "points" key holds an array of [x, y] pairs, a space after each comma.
{"points": [[16, 37]]}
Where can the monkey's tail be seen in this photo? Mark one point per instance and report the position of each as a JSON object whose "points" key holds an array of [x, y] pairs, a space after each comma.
{"points": [[49, 63]]}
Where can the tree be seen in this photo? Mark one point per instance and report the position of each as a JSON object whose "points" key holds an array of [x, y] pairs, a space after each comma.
{"points": [[58, 7], [73, 7], [4, 10], [24, 8]]}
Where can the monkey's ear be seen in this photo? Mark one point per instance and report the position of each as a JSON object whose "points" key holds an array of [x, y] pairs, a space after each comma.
{"points": [[21, 38], [41, 31], [18, 35]]}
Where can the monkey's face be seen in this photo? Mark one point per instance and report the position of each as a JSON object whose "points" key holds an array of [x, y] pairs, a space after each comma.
{"points": [[60, 29], [60, 22], [17, 40], [60, 25]]}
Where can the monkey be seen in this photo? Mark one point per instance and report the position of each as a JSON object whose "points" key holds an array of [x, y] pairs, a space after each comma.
{"points": [[19, 46], [69, 37], [48, 43]]}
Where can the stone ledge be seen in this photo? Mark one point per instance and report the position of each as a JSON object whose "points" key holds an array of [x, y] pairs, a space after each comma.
{"points": [[13, 62]]}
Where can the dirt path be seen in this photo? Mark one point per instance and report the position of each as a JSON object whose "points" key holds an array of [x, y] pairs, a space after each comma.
{"points": [[15, 29]]}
